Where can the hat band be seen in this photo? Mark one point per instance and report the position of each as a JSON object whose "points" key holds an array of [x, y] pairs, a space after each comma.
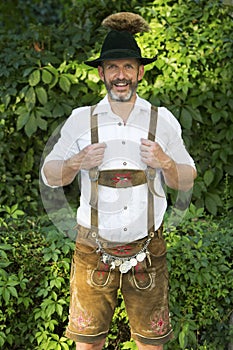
{"points": [[124, 53]]}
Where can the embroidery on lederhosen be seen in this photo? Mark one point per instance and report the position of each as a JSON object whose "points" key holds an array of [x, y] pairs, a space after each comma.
{"points": [[122, 178]]}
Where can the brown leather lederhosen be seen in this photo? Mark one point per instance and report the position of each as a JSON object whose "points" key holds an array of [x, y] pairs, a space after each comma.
{"points": [[129, 177]]}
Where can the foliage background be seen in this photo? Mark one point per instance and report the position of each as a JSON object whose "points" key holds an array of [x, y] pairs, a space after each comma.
{"points": [[43, 79], [34, 286], [42, 47]]}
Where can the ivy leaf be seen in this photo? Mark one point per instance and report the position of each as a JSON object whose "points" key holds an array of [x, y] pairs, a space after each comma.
{"points": [[212, 201], [34, 78], [58, 110], [210, 205], [195, 113], [208, 177], [93, 86], [22, 119], [27, 71], [182, 339], [160, 63], [41, 123], [30, 98], [64, 84], [43, 112], [6, 295], [31, 126], [59, 309], [54, 81], [65, 346], [2, 339], [4, 264], [28, 160], [41, 95], [186, 118], [13, 292], [46, 76], [6, 100], [216, 116]]}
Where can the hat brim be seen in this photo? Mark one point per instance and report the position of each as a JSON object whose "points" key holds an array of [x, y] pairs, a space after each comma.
{"points": [[119, 56]]}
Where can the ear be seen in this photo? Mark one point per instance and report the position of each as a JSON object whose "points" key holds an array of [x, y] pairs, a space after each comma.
{"points": [[140, 72], [101, 72]]}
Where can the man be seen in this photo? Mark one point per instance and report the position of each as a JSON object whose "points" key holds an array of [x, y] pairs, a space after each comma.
{"points": [[125, 151]]}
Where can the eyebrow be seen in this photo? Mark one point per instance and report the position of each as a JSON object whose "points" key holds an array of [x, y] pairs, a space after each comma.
{"points": [[107, 64]]}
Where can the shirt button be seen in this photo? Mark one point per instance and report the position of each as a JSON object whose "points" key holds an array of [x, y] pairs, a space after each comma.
{"points": [[123, 142], [125, 208], [119, 123], [125, 229], [124, 163]]}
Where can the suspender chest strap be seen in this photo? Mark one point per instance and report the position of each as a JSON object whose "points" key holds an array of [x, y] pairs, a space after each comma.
{"points": [[119, 178], [94, 172]]}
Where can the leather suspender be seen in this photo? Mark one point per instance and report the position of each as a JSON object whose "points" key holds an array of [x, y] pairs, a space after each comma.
{"points": [[94, 172], [151, 173]]}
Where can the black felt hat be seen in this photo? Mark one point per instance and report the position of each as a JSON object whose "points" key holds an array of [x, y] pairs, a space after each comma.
{"points": [[120, 42]]}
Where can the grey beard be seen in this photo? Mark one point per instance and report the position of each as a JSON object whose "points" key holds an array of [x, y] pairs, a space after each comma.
{"points": [[117, 98], [126, 98]]}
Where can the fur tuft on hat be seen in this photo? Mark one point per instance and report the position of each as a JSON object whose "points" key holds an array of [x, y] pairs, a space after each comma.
{"points": [[126, 21]]}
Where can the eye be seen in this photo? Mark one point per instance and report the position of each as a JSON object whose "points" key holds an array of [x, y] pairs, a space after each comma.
{"points": [[111, 67], [128, 66]]}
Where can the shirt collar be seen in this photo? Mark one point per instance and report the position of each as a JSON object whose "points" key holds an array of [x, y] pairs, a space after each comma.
{"points": [[140, 105]]}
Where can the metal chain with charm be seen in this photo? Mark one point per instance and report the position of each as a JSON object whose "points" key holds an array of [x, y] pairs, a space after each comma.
{"points": [[126, 263]]}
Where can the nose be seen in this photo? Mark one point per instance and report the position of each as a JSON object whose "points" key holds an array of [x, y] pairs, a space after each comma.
{"points": [[121, 73]]}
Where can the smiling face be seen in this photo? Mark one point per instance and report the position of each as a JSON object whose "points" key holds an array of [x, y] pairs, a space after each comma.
{"points": [[121, 78]]}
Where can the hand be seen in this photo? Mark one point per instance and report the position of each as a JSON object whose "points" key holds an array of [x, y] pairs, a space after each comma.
{"points": [[153, 155], [89, 157], [177, 176]]}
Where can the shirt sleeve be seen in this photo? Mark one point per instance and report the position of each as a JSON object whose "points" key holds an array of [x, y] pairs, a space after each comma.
{"points": [[170, 138], [67, 144]]}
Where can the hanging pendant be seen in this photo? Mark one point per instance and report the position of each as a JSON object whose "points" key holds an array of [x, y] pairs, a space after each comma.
{"points": [[141, 256], [125, 267], [105, 259], [133, 261], [113, 265], [117, 262]]}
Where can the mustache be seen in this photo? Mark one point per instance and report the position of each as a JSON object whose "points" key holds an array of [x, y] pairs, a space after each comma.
{"points": [[121, 81]]}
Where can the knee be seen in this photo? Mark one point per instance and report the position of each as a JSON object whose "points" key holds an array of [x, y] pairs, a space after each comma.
{"points": [[95, 346], [148, 347]]}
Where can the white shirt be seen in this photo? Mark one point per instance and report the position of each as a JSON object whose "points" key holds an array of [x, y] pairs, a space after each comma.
{"points": [[122, 211]]}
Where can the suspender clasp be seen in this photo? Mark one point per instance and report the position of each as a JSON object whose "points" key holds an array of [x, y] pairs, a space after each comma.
{"points": [[94, 174], [150, 173]]}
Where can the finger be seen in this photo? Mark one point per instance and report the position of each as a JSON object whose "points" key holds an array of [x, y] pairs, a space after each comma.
{"points": [[97, 152], [101, 145], [144, 148], [95, 149], [146, 142]]}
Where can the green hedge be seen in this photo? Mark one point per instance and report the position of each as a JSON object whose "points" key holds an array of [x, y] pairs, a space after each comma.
{"points": [[34, 286], [42, 80]]}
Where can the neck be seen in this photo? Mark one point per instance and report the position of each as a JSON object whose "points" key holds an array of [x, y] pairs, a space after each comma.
{"points": [[122, 109]]}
